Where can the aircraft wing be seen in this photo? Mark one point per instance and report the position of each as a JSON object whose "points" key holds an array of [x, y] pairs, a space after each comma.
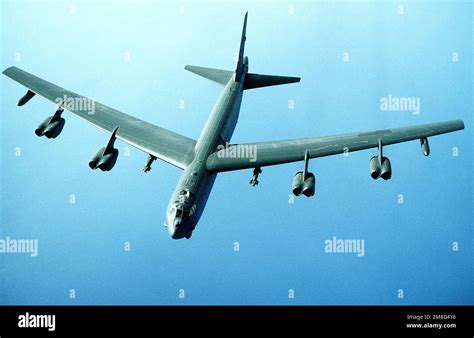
{"points": [[260, 154], [161, 143]]}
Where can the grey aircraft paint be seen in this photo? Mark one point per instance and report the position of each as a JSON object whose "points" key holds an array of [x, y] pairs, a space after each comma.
{"points": [[201, 160]]}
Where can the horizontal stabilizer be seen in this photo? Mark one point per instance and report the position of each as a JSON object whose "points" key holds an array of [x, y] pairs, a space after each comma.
{"points": [[217, 75], [257, 80]]}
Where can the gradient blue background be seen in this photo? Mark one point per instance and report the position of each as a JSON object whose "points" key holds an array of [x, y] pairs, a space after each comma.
{"points": [[81, 246]]}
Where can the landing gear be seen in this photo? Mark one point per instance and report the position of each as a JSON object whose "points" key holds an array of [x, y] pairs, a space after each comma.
{"points": [[254, 181], [148, 163], [191, 230]]}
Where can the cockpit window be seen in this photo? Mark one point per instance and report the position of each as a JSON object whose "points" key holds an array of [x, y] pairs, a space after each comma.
{"points": [[181, 211], [186, 193]]}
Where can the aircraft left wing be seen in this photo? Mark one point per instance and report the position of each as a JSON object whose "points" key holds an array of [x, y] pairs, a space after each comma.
{"points": [[159, 142], [260, 154]]}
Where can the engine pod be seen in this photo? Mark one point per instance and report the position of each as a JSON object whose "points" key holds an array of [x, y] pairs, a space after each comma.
{"points": [[375, 167], [108, 161], [93, 163], [297, 186], [386, 169], [309, 185], [42, 126], [53, 129]]}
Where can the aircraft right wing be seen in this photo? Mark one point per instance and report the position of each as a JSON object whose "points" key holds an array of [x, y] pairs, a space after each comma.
{"points": [[260, 154]]}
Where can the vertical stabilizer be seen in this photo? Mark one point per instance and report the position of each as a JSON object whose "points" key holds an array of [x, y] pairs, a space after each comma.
{"points": [[240, 62]]}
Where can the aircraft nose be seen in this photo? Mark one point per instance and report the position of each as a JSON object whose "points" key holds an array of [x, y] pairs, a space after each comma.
{"points": [[173, 227]]}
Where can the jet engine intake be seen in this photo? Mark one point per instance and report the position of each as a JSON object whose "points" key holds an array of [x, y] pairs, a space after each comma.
{"points": [[104, 160], [386, 170], [304, 181], [52, 126], [302, 185], [298, 183], [309, 185], [377, 169]]}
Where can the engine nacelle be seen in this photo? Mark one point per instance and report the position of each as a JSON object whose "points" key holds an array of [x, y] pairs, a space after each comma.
{"points": [[298, 183], [42, 126], [50, 129], [93, 163], [304, 182], [378, 170], [309, 185], [304, 186], [103, 160], [386, 169], [375, 167]]}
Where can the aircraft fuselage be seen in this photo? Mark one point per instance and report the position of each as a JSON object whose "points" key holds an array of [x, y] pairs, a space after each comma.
{"points": [[195, 184]]}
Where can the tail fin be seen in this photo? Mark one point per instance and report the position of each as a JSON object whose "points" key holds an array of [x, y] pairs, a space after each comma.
{"points": [[251, 80], [258, 81], [240, 61]]}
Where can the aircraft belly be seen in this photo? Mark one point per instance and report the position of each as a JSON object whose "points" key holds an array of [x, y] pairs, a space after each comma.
{"points": [[231, 123]]}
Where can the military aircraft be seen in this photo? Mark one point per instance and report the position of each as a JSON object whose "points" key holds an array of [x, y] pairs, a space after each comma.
{"points": [[202, 159]]}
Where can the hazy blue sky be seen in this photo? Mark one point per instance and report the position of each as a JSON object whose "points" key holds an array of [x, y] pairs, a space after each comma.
{"points": [[131, 56]]}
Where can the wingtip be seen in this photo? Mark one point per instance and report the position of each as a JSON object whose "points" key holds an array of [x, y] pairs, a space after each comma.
{"points": [[296, 79], [8, 69], [455, 124]]}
